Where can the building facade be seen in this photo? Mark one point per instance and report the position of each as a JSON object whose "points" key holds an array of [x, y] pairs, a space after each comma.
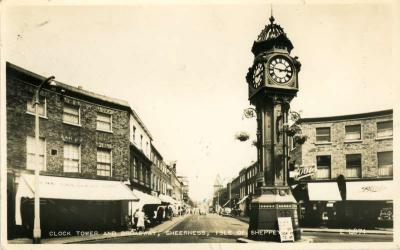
{"points": [[83, 136], [97, 161], [350, 159]]}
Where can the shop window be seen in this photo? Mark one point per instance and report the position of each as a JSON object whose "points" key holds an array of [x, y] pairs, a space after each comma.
{"points": [[384, 129], [103, 162], [323, 167], [31, 153], [353, 165], [353, 132], [71, 114], [385, 163], [30, 108], [104, 122], [71, 158], [323, 134]]}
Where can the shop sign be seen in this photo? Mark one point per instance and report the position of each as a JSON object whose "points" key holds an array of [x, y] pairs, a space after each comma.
{"points": [[386, 214], [301, 172], [285, 229]]}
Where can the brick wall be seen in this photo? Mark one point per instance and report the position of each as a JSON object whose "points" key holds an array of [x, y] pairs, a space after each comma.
{"points": [[368, 146], [20, 124]]}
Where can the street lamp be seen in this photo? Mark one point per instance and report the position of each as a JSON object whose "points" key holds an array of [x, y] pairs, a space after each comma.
{"points": [[36, 226]]}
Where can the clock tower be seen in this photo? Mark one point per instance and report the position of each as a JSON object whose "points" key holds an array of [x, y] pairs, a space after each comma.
{"points": [[273, 83]]}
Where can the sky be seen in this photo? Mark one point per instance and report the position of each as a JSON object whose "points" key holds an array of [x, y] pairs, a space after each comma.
{"points": [[182, 67]]}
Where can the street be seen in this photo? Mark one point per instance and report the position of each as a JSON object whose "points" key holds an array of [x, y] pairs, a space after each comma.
{"points": [[213, 228]]}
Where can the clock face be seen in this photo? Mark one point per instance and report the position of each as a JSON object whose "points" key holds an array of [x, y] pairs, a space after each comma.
{"points": [[280, 70], [258, 75]]}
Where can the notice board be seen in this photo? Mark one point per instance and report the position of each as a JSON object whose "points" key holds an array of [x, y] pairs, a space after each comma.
{"points": [[285, 229]]}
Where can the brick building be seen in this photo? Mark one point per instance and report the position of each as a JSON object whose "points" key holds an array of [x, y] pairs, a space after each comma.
{"points": [[84, 141], [96, 155], [352, 157], [238, 193]]}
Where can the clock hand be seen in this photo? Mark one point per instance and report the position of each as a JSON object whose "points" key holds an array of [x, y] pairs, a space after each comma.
{"points": [[282, 70]]}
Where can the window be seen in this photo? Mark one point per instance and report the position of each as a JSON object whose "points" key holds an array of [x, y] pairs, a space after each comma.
{"points": [[353, 132], [103, 162], [31, 153], [30, 108], [385, 129], [134, 134], [71, 114], [323, 134], [104, 122], [353, 166], [385, 163], [134, 168], [71, 158], [323, 167], [141, 142]]}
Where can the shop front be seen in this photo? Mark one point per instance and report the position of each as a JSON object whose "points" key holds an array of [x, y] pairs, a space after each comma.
{"points": [[320, 209], [368, 204], [72, 205]]}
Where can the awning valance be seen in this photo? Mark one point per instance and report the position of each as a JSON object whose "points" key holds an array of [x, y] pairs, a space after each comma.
{"points": [[51, 187], [166, 199], [146, 198], [323, 191], [74, 189], [243, 199], [370, 190]]}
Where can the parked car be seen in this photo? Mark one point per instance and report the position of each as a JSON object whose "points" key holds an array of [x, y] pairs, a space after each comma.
{"points": [[226, 211]]}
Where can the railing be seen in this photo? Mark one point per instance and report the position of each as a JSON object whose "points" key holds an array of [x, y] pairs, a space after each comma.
{"points": [[385, 170], [353, 172]]}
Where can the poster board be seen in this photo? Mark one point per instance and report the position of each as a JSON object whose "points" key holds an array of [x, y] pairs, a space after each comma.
{"points": [[285, 229]]}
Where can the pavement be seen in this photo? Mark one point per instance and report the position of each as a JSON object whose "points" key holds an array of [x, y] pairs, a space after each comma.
{"points": [[380, 231], [166, 225], [212, 228]]}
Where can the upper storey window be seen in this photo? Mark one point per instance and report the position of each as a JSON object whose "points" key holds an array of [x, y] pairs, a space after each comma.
{"points": [[353, 132], [71, 114], [384, 129], [323, 134]]}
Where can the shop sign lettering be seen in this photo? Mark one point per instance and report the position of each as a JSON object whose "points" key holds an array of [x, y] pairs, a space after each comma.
{"points": [[303, 171], [372, 188]]}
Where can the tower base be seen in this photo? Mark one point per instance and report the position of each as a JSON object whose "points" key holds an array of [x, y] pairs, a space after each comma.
{"points": [[269, 204]]}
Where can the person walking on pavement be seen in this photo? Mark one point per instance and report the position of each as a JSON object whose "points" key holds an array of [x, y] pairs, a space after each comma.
{"points": [[135, 218], [140, 222], [160, 214]]}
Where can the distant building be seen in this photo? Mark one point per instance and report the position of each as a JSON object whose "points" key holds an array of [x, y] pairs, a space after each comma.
{"points": [[352, 156]]}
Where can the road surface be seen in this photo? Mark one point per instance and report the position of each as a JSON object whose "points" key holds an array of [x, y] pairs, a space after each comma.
{"points": [[213, 228]]}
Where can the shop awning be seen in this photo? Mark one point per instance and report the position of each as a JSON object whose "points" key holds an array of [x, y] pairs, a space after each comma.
{"points": [[51, 187], [226, 203], [243, 199], [323, 191], [166, 199], [146, 198], [370, 190]]}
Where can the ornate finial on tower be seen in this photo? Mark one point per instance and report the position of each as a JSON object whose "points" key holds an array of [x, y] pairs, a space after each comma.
{"points": [[272, 19]]}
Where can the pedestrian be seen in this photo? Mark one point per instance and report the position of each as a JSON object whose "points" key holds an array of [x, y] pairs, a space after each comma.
{"points": [[140, 222], [135, 218], [159, 214]]}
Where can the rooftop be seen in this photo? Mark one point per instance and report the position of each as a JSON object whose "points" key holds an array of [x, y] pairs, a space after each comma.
{"points": [[348, 117]]}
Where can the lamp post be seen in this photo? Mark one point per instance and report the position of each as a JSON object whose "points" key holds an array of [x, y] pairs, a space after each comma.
{"points": [[36, 226]]}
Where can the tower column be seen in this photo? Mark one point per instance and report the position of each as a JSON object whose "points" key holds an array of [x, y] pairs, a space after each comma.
{"points": [[273, 83]]}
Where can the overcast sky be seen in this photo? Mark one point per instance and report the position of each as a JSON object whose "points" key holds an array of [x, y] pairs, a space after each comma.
{"points": [[182, 67]]}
